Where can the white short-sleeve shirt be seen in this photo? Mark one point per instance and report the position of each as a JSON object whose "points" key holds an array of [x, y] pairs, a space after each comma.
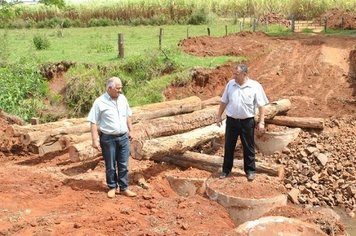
{"points": [[110, 115], [242, 101]]}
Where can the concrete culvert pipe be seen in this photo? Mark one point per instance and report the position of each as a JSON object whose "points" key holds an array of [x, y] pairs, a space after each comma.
{"points": [[245, 200], [277, 225]]}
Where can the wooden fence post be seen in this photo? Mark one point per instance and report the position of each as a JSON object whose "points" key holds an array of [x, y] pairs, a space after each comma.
{"points": [[208, 31], [342, 22], [225, 29], [267, 24], [254, 25], [120, 44], [160, 38], [293, 24], [188, 32], [326, 24], [241, 26]]}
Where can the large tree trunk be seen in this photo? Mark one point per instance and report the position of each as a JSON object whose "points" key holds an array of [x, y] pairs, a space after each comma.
{"points": [[211, 101], [165, 126], [67, 140], [202, 161], [168, 108], [18, 130], [49, 148], [175, 144], [276, 107], [38, 138], [83, 151], [301, 122], [162, 126]]}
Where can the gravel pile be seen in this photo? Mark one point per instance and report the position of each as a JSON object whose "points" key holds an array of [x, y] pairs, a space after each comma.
{"points": [[320, 167]]}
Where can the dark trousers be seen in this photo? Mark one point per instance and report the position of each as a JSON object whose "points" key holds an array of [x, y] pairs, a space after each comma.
{"points": [[116, 151], [245, 128]]}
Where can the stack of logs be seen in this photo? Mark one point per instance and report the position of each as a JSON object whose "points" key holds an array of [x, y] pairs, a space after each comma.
{"points": [[160, 131]]}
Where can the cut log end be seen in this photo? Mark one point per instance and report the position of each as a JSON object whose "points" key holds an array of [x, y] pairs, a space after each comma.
{"points": [[74, 154], [25, 139], [136, 149], [64, 142]]}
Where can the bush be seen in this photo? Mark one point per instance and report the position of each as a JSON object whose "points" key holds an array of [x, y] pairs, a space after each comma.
{"points": [[83, 87], [41, 42], [198, 18]]}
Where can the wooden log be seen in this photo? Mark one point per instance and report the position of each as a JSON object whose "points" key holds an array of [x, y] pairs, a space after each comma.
{"points": [[175, 144], [49, 148], [165, 126], [199, 159], [168, 108], [211, 101], [38, 138], [276, 107], [68, 140], [301, 122], [83, 151], [17, 130]]}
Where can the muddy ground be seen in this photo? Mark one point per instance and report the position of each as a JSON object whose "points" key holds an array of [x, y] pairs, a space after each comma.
{"points": [[51, 196]]}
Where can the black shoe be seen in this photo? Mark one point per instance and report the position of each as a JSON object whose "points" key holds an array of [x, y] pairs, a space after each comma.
{"points": [[251, 176], [223, 175]]}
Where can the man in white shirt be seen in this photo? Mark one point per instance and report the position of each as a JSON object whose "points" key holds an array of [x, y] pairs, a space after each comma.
{"points": [[241, 97], [110, 121]]}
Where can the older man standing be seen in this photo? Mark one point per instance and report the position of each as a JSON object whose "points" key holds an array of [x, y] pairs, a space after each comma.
{"points": [[241, 97], [110, 119]]}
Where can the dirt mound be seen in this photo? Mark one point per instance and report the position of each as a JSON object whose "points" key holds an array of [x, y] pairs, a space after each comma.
{"points": [[275, 18], [311, 71], [338, 19], [211, 46]]}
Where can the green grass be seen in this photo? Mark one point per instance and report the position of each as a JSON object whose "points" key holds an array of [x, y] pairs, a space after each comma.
{"points": [[349, 33], [99, 45]]}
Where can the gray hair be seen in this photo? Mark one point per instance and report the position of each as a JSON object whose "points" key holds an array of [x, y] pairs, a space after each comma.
{"points": [[112, 81], [243, 68]]}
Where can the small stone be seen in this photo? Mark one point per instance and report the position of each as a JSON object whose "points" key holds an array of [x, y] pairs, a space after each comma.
{"points": [[322, 158], [77, 225], [310, 149], [293, 195]]}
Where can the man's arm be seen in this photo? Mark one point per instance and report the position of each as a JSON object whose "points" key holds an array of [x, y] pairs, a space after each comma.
{"points": [[129, 126], [94, 136], [261, 122], [220, 112]]}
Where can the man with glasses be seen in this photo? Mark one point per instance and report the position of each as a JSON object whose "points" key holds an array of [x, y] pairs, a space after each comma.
{"points": [[110, 119], [241, 97]]}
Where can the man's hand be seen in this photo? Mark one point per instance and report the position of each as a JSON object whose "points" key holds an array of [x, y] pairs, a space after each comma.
{"points": [[260, 129], [130, 136], [218, 121], [96, 145]]}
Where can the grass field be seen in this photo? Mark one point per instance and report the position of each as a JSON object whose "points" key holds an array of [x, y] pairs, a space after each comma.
{"points": [[99, 45]]}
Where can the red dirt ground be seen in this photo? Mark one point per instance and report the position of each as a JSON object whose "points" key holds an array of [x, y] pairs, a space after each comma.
{"points": [[51, 196], [312, 71]]}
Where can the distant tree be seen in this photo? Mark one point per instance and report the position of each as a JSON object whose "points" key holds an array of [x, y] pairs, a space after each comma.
{"points": [[58, 3]]}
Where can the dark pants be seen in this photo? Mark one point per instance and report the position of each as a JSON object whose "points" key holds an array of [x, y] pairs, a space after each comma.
{"points": [[245, 128], [116, 151]]}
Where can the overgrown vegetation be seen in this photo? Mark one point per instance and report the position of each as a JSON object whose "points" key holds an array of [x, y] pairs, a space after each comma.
{"points": [[53, 13], [22, 90]]}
